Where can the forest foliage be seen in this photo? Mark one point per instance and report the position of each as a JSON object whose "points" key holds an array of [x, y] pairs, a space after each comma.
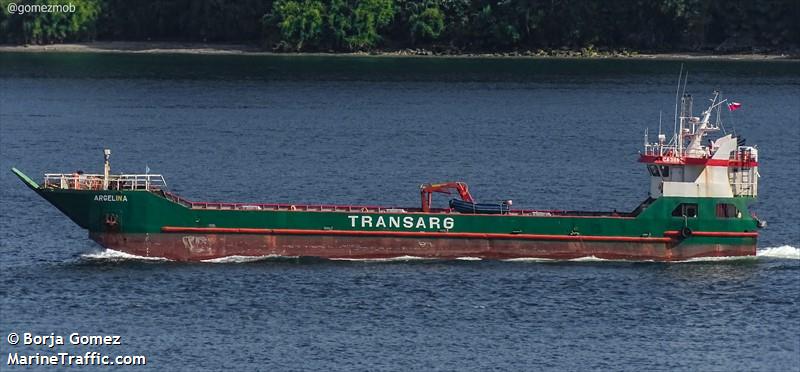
{"points": [[442, 25]]}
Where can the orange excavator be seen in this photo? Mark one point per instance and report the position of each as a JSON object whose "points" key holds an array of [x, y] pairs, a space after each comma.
{"points": [[426, 191]]}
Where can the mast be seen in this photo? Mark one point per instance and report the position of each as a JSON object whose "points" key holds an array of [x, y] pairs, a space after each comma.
{"points": [[686, 111], [106, 167], [661, 136], [677, 90]]}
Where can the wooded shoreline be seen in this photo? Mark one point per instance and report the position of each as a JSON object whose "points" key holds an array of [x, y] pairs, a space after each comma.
{"points": [[563, 28]]}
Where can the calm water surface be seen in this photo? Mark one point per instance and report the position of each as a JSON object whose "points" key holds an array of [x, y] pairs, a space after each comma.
{"points": [[546, 133]]}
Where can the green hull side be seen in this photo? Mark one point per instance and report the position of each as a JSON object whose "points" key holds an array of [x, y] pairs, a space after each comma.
{"points": [[147, 212]]}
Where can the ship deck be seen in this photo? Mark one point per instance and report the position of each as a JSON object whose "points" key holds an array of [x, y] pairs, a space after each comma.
{"points": [[381, 209]]}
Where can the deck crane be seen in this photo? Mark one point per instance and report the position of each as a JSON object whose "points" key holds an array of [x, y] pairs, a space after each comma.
{"points": [[426, 191]]}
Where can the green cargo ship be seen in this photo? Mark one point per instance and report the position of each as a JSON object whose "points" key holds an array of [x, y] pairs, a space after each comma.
{"points": [[698, 207]]}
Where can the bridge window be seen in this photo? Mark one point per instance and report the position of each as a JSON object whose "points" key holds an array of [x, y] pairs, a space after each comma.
{"points": [[725, 210], [658, 170], [685, 209]]}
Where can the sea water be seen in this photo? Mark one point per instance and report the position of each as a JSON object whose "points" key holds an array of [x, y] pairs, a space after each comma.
{"points": [[549, 134]]}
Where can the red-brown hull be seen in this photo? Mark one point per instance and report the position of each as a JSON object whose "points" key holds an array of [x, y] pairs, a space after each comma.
{"points": [[198, 247]]}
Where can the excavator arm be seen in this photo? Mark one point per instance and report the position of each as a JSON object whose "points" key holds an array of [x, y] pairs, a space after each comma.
{"points": [[426, 192]]}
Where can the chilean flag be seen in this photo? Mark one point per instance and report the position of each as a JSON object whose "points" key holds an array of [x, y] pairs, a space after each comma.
{"points": [[733, 106]]}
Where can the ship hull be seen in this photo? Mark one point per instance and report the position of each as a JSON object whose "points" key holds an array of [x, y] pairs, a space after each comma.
{"points": [[158, 224], [199, 247]]}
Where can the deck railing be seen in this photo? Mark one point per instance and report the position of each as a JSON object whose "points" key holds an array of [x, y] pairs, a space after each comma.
{"points": [[75, 181], [289, 207], [362, 208]]}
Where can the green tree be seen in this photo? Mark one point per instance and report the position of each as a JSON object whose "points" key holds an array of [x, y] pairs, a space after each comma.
{"points": [[369, 17], [76, 23], [426, 26], [338, 23], [494, 27], [300, 22]]}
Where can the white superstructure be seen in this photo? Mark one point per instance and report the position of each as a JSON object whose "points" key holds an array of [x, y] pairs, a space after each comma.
{"points": [[689, 167]]}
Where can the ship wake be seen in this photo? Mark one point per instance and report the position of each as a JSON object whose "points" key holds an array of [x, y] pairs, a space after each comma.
{"points": [[784, 251], [246, 259], [112, 255]]}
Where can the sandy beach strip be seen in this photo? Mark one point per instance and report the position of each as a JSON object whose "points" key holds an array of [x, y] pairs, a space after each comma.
{"points": [[137, 47]]}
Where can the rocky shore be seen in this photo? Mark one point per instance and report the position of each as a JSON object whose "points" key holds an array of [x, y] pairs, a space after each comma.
{"points": [[252, 49]]}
